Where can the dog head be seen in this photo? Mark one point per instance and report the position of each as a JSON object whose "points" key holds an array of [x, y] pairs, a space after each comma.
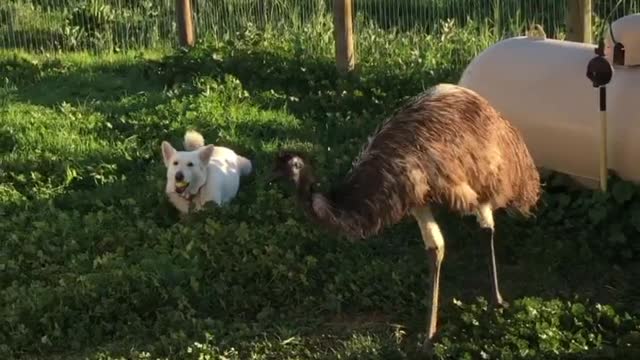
{"points": [[186, 170]]}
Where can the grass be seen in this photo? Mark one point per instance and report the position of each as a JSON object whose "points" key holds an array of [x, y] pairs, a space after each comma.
{"points": [[117, 25], [95, 263]]}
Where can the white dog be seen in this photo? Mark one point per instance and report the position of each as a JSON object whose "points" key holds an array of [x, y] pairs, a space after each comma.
{"points": [[202, 173]]}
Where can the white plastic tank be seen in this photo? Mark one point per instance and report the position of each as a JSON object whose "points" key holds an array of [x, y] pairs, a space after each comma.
{"points": [[626, 30], [540, 86]]}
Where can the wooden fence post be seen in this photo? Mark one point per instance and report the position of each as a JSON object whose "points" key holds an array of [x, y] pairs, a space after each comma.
{"points": [[579, 20], [186, 31], [343, 35], [497, 19]]}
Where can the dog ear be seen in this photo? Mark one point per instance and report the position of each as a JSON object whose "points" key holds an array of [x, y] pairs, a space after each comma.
{"points": [[167, 152], [205, 153]]}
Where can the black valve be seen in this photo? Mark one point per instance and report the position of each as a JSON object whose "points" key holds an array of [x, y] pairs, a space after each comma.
{"points": [[599, 70], [618, 54]]}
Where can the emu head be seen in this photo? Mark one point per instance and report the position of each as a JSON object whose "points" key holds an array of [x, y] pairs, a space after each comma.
{"points": [[290, 165]]}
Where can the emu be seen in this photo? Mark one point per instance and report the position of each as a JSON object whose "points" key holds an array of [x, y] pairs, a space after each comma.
{"points": [[446, 146]]}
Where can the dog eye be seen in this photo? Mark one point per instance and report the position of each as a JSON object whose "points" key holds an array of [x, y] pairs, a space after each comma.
{"points": [[175, 163], [190, 163]]}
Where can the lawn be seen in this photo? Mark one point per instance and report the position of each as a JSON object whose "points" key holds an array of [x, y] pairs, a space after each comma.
{"points": [[96, 264]]}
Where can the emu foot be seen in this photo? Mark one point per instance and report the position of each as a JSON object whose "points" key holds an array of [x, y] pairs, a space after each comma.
{"points": [[501, 304], [426, 349], [498, 302]]}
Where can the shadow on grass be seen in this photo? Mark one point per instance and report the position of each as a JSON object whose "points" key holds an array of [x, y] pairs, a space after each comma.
{"points": [[118, 90], [312, 87], [32, 40], [54, 83]]}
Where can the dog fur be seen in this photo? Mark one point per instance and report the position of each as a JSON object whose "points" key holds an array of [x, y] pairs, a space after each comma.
{"points": [[212, 173]]}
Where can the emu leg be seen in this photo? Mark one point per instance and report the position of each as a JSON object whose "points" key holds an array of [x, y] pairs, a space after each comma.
{"points": [[434, 243], [485, 219]]}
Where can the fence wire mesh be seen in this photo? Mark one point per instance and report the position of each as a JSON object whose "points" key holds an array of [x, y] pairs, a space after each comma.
{"points": [[117, 25]]}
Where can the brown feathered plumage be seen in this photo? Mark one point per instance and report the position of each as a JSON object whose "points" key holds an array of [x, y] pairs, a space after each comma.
{"points": [[446, 145]]}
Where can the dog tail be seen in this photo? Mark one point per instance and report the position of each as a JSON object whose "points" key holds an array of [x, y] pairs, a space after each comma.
{"points": [[244, 165], [193, 140]]}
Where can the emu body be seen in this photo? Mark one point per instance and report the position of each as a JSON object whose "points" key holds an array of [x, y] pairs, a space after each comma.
{"points": [[446, 146]]}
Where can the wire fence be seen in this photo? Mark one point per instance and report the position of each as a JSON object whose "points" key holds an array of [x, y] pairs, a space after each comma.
{"points": [[120, 25]]}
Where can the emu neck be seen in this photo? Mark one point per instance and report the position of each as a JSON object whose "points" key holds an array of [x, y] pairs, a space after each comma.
{"points": [[304, 187]]}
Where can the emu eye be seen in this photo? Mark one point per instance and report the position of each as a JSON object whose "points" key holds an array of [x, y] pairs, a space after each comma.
{"points": [[190, 164], [175, 163]]}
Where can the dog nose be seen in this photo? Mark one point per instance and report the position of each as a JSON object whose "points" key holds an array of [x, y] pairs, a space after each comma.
{"points": [[179, 176]]}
